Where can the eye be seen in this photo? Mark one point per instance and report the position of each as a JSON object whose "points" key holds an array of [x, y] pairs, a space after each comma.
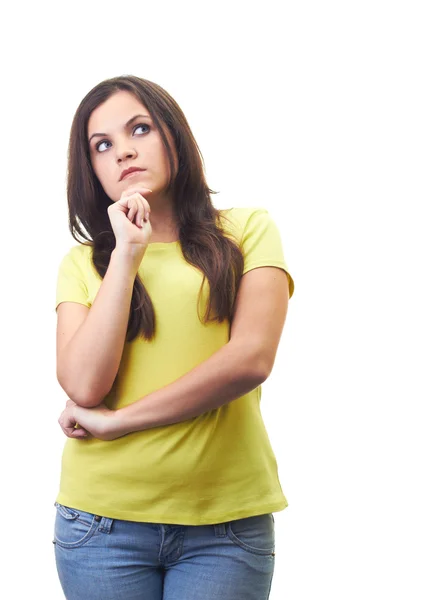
{"points": [[107, 141], [141, 125]]}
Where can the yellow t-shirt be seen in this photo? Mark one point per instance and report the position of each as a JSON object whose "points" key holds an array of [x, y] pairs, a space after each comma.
{"points": [[216, 467]]}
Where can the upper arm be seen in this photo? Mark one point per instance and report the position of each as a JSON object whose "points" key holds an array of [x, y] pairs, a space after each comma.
{"points": [[259, 314], [70, 317]]}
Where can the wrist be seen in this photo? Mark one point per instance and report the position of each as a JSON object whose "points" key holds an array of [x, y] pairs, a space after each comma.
{"points": [[125, 421], [120, 423], [128, 256]]}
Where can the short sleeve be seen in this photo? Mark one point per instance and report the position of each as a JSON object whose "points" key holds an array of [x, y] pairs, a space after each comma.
{"points": [[262, 246], [71, 283]]}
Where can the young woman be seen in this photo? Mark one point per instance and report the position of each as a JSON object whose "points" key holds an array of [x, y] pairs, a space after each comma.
{"points": [[166, 329]]}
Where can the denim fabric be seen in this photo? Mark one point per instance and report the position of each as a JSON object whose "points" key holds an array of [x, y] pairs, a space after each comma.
{"points": [[98, 558]]}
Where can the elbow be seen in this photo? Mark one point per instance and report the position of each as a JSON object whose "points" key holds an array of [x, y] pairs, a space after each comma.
{"points": [[263, 373], [252, 363], [256, 371], [88, 400], [260, 367], [84, 398]]}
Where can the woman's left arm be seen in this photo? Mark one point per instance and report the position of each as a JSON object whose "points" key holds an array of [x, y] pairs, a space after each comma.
{"points": [[240, 366]]}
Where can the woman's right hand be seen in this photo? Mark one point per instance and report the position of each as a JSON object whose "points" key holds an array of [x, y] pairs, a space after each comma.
{"points": [[129, 217]]}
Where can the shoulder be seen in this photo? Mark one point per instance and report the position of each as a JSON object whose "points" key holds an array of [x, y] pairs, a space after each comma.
{"points": [[236, 219], [79, 255]]}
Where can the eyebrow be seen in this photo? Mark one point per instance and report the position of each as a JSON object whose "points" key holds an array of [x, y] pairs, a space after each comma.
{"points": [[126, 125]]}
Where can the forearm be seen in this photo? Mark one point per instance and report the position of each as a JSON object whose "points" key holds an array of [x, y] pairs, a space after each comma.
{"points": [[228, 374], [89, 363]]}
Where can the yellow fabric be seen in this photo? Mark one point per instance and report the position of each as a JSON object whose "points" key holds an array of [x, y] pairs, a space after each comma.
{"points": [[213, 468]]}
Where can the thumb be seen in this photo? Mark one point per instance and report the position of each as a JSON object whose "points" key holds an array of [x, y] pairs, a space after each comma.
{"points": [[79, 433], [129, 195]]}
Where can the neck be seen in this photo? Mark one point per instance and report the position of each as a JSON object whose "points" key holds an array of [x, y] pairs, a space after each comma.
{"points": [[162, 217]]}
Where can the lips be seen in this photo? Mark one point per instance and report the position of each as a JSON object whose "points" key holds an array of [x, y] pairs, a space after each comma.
{"points": [[128, 171]]}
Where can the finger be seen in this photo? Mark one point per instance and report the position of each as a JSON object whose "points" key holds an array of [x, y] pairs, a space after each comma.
{"points": [[71, 432], [142, 200], [139, 210], [141, 216], [143, 211], [146, 218], [146, 205], [135, 190], [68, 431], [79, 433], [67, 421], [133, 207], [130, 213], [134, 203], [125, 201]]}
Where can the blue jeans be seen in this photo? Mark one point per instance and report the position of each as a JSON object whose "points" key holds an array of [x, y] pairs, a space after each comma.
{"points": [[98, 558]]}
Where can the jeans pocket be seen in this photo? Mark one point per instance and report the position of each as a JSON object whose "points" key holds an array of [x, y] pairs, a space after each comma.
{"points": [[73, 528], [254, 534]]}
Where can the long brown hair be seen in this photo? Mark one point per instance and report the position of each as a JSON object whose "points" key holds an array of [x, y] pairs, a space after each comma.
{"points": [[203, 242]]}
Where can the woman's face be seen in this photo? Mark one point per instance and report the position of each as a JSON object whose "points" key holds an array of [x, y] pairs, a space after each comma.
{"points": [[121, 146]]}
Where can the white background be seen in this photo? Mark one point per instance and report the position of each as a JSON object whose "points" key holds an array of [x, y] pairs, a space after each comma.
{"points": [[313, 110]]}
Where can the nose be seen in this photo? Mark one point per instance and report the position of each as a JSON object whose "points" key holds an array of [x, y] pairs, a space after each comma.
{"points": [[124, 151], [122, 156]]}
